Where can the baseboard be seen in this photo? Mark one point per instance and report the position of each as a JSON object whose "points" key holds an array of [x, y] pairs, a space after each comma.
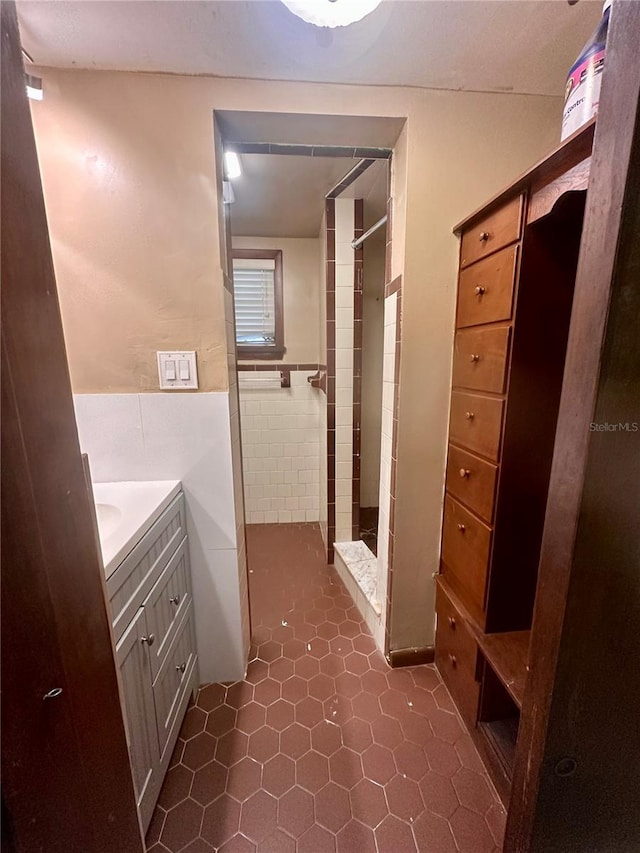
{"points": [[412, 657]]}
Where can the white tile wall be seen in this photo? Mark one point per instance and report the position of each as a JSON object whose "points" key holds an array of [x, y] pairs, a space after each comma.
{"points": [[281, 443], [388, 400], [345, 265], [187, 437]]}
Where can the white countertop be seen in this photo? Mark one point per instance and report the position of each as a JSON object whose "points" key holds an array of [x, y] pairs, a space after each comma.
{"points": [[125, 512]]}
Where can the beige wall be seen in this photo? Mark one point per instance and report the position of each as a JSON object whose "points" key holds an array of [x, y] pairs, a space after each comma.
{"points": [[300, 292], [127, 162]]}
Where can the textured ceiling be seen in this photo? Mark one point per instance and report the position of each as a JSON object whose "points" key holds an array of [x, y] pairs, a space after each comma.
{"points": [[515, 46], [283, 196]]}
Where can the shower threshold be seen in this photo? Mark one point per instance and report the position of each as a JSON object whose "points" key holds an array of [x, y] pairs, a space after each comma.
{"points": [[362, 565]]}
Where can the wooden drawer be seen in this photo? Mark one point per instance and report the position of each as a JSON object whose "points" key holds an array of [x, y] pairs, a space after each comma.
{"points": [[466, 542], [134, 578], [472, 481], [174, 678], [496, 230], [167, 603], [476, 422], [456, 656], [480, 358], [485, 290]]}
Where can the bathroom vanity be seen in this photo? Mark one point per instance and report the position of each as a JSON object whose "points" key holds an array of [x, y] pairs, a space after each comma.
{"points": [[146, 559]]}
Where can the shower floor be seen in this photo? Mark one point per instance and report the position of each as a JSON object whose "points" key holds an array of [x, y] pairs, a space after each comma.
{"points": [[369, 527]]}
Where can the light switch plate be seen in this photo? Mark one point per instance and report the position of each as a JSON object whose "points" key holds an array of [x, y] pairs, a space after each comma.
{"points": [[177, 371]]}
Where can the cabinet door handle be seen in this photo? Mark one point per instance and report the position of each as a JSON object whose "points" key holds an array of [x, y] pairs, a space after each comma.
{"points": [[484, 236], [464, 472], [474, 358], [175, 599], [469, 416], [453, 660], [480, 290], [461, 528], [181, 667], [150, 640], [452, 623]]}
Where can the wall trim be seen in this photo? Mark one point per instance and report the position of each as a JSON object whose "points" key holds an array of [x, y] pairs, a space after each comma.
{"points": [[411, 657]]}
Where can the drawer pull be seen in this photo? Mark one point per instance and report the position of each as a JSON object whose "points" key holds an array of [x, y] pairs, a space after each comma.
{"points": [[484, 236], [150, 640], [181, 667], [480, 290], [469, 416], [175, 599], [452, 623], [464, 472], [453, 660], [461, 528], [474, 359]]}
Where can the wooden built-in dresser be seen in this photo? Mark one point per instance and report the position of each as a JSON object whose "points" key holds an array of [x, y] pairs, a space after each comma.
{"points": [[518, 259]]}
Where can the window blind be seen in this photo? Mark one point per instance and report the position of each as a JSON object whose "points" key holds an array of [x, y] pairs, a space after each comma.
{"points": [[254, 290]]}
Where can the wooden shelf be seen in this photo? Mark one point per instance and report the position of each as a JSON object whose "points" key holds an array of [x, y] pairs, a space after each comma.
{"points": [[508, 655]]}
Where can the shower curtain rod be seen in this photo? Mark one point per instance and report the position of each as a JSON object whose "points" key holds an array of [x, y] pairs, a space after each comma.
{"points": [[358, 241]]}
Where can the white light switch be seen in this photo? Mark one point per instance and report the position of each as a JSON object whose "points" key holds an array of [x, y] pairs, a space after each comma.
{"points": [[177, 370]]}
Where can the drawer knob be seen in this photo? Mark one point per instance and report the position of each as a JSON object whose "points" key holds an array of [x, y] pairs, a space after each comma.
{"points": [[464, 472], [473, 358], [480, 290], [461, 528], [452, 623], [181, 667], [484, 236], [469, 416], [175, 599], [150, 640], [453, 660]]}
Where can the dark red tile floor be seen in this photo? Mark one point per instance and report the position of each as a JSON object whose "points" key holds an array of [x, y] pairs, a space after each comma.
{"points": [[322, 747]]}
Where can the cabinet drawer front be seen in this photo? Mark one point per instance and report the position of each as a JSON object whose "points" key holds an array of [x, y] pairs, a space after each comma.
{"points": [[476, 423], [485, 290], [167, 603], [480, 358], [456, 654], [472, 481], [174, 678], [495, 231], [134, 669], [465, 549], [134, 578]]}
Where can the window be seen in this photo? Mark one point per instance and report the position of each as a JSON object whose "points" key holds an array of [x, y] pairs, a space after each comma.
{"points": [[257, 287]]}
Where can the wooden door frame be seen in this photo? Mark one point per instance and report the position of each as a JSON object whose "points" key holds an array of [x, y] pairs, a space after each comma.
{"points": [[573, 784], [66, 779]]}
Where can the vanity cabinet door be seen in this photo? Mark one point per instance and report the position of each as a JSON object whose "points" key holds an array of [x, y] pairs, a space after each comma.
{"points": [[166, 605], [134, 665]]}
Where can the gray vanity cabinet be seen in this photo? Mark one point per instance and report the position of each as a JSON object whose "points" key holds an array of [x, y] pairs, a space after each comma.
{"points": [[152, 615]]}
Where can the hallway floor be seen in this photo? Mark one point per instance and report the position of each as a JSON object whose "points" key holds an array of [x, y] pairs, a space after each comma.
{"points": [[322, 747]]}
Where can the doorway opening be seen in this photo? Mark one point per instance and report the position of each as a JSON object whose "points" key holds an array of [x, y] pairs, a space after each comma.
{"points": [[308, 248]]}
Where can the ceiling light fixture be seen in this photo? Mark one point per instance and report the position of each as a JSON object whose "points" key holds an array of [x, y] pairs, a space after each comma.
{"points": [[331, 13], [34, 87], [232, 166]]}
